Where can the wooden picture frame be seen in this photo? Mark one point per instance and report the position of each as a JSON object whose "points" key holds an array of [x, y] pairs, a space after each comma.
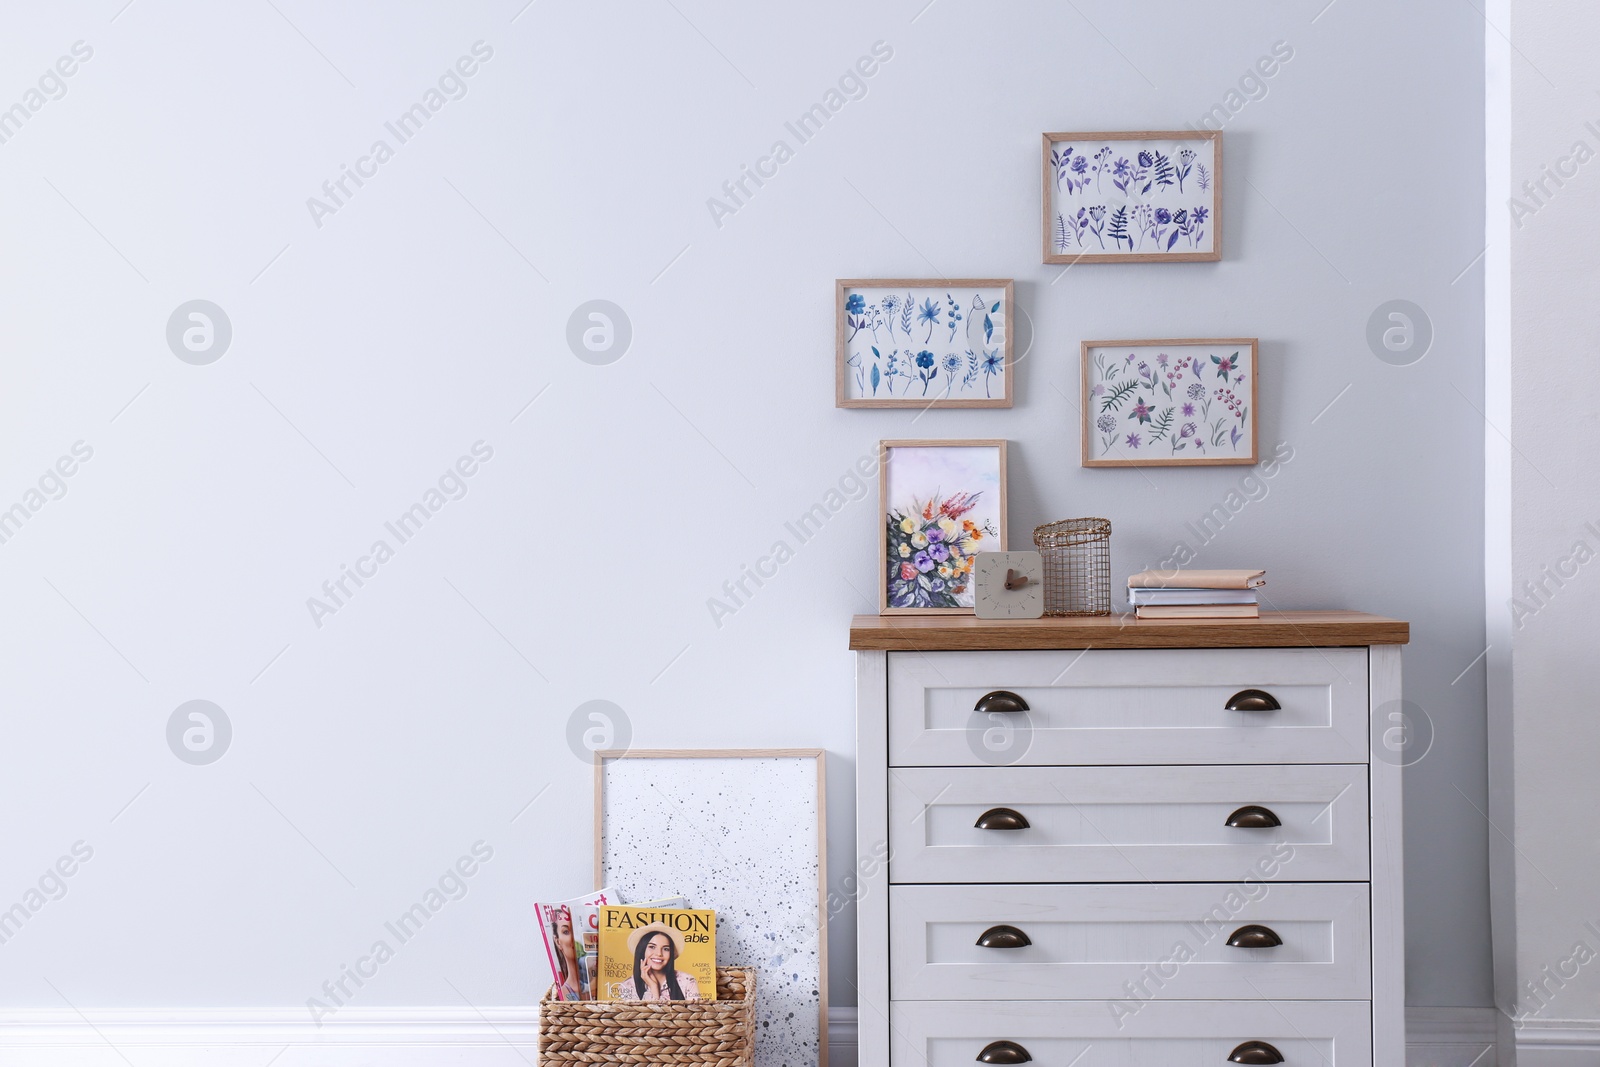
{"points": [[927, 489], [1178, 399], [1113, 177], [776, 1001], [981, 355]]}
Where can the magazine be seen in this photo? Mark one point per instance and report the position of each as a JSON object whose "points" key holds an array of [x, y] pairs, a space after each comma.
{"points": [[570, 930], [649, 953], [586, 927]]}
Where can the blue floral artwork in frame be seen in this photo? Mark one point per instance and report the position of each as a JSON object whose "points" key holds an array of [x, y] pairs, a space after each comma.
{"points": [[923, 343]]}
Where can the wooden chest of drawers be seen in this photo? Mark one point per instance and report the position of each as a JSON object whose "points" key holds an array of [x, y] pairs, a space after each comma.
{"points": [[1116, 844]]}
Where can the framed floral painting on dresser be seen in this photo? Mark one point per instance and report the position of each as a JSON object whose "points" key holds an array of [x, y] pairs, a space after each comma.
{"points": [[923, 344], [1146, 197], [1181, 403], [940, 504]]}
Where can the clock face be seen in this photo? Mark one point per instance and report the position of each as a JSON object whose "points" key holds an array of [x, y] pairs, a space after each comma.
{"points": [[1022, 572]]}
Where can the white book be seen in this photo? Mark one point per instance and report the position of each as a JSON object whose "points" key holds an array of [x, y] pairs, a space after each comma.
{"points": [[1137, 597], [1197, 611]]}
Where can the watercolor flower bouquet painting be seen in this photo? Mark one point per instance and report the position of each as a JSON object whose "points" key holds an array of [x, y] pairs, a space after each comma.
{"points": [[922, 344], [942, 503], [1183, 403], [1133, 197]]}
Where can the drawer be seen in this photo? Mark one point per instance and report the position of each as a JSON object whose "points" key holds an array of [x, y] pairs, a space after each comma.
{"points": [[1127, 824], [1089, 942], [1115, 706], [1131, 1033]]}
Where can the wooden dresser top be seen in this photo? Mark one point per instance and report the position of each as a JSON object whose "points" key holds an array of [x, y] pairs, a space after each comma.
{"points": [[1275, 629]]}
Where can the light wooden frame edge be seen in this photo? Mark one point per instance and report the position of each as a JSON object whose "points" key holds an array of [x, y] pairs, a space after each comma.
{"points": [[842, 285], [883, 509], [1084, 459], [1047, 198], [818, 754]]}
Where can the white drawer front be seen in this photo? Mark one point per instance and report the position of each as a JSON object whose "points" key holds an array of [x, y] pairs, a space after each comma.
{"points": [[1127, 824], [1124, 706], [1090, 941], [1130, 1034]]}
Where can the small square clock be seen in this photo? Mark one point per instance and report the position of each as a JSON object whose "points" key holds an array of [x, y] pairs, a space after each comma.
{"points": [[1008, 585]]}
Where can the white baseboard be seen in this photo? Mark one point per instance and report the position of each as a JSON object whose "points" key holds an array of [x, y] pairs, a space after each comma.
{"points": [[1451, 1037], [417, 1037], [842, 1049], [412, 1037], [1558, 1043], [508, 1037]]}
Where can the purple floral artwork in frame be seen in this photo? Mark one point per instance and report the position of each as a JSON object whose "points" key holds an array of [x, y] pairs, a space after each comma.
{"points": [[1169, 403]]}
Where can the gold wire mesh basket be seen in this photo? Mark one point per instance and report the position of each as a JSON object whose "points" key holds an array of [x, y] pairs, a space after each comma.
{"points": [[1077, 566]]}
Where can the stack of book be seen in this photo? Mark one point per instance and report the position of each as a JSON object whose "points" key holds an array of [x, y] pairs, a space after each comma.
{"points": [[1180, 594]]}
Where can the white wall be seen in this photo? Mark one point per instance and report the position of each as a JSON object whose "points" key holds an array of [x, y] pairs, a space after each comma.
{"points": [[1554, 276], [371, 352]]}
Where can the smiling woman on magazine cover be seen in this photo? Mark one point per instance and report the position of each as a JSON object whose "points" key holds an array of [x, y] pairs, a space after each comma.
{"points": [[656, 949]]}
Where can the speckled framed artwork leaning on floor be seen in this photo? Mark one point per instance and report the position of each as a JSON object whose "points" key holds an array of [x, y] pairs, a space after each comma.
{"points": [[742, 832], [1175, 403]]}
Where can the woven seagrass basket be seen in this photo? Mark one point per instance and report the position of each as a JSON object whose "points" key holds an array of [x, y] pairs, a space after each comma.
{"points": [[708, 1033]]}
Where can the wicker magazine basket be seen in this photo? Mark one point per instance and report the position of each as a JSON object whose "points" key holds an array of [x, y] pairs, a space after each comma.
{"points": [[715, 1033]]}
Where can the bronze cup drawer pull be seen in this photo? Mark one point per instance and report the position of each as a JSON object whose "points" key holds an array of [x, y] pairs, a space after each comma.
{"points": [[1011, 1052], [1253, 700], [1253, 817], [1002, 819], [1254, 936], [1255, 1052], [1000, 701], [1003, 936]]}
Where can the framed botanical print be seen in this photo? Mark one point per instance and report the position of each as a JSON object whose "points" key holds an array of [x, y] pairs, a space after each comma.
{"points": [[1145, 197], [921, 344], [940, 504], [1182, 403]]}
